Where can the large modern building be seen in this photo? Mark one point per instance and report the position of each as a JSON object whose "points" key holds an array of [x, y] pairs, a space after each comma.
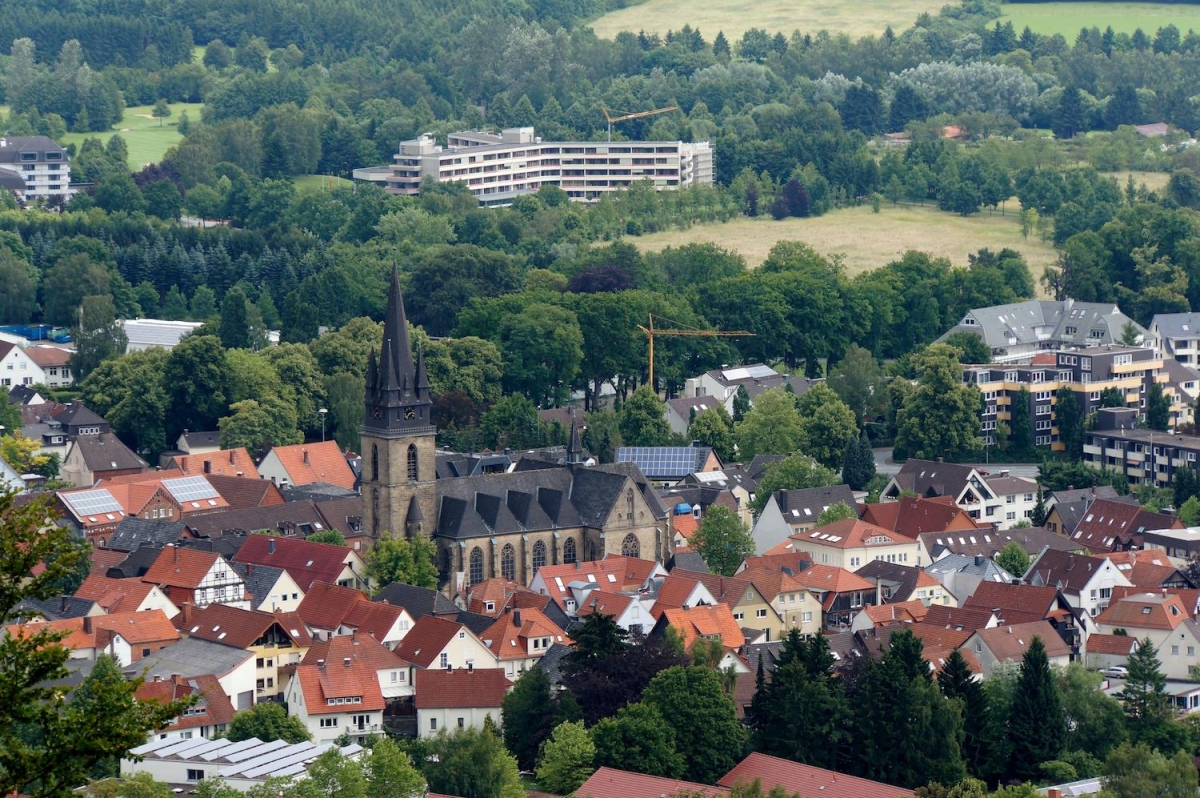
{"points": [[43, 165], [499, 168], [1144, 456], [1086, 372]]}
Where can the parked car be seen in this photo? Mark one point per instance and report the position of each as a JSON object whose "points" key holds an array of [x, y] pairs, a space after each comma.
{"points": [[1116, 672]]}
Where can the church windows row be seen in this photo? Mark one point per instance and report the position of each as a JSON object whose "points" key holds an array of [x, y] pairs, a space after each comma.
{"points": [[413, 472], [476, 572], [508, 562]]}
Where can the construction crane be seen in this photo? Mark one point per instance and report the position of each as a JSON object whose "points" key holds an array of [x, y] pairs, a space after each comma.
{"points": [[650, 332], [638, 115]]}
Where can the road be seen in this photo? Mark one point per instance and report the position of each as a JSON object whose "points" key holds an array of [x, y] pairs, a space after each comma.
{"points": [[885, 465]]}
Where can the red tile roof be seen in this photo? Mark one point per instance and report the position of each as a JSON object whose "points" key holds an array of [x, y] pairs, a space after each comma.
{"points": [[325, 605], [215, 705], [306, 463], [619, 574], [114, 595], [227, 462], [1011, 641], [180, 567], [355, 647], [706, 620], [428, 637], [912, 516], [830, 581], [1145, 611], [483, 688], [605, 603], [336, 680], [507, 640], [46, 356], [795, 561], [685, 525], [612, 783], [306, 562], [1111, 645], [103, 559], [138, 629], [373, 619], [676, 589], [239, 628], [851, 533], [965, 618], [498, 592], [901, 612], [770, 582], [1013, 603], [1145, 569], [1108, 523], [805, 779]]}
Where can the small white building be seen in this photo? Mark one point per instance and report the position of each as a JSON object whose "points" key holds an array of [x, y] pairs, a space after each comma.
{"points": [[155, 333], [18, 368], [459, 699], [240, 765], [336, 698]]}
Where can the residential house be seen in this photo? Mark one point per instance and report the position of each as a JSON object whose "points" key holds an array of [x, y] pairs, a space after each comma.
{"points": [[988, 543], [1065, 508], [438, 643], [44, 166], [193, 657], [913, 516], [717, 487], [306, 463], [277, 640], [336, 698], [723, 384], [960, 618], [418, 601], [519, 638], [1019, 604], [1104, 650], [240, 766], [459, 699], [895, 583], [197, 577], [669, 465], [752, 610], [128, 637], [125, 595], [99, 511], [55, 363], [937, 640], [842, 593], [682, 588], [630, 611], [227, 463], [209, 715], [962, 574], [332, 610], [873, 616], [1087, 582], [793, 777], [1110, 525], [1177, 654], [788, 512], [1008, 643], [709, 621], [1179, 543], [297, 519], [1018, 331], [851, 543], [306, 562], [609, 782], [1148, 569], [132, 533], [1144, 615], [681, 410], [10, 480], [613, 573], [391, 671], [792, 602], [269, 589], [91, 458], [17, 367], [207, 442], [969, 487]]}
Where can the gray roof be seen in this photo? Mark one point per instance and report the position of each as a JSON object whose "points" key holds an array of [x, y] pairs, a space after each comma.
{"points": [[259, 579], [1178, 374], [475, 621], [15, 145], [105, 452], [683, 405], [989, 543], [136, 564], [761, 462], [316, 492], [190, 657], [930, 478], [689, 561], [806, 504], [274, 517], [979, 566], [1038, 322], [57, 608], [77, 414], [418, 601], [541, 498], [450, 465], [133, 533], [1072, 505], [205, 439], [1177, 325], [11, 181], [552, 661], [901, 578], [156, 332]]}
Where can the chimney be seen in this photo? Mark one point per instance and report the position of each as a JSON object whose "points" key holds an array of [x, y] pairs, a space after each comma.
{"points": [[305, 456], [271, 546], [979, 560], [941, 459], [1054, 792], [87, 625], [232, 458], [517, 618], [470, 666], [175, 549], [320, 663]]}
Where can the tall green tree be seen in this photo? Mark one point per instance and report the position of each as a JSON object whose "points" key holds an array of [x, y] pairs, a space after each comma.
{"points": [[267, 721], [858, 462], [639, 740], [826, 423], [530, 713], [1037, 727], [566, 758], [1020, 425], [707, 732], [395, 559], [1069, 417], [18, 288], [1013, 559], [714, 427], [234, 326], [644, 419], [390, 772], [772, 426], [1158, 408], [99, 336], [542, 349], [792, 473], [941, 417], [196, 376], [468, 762], [958, 681], [722, 540], [1147, 707], [1139, 771], [859, 381]]}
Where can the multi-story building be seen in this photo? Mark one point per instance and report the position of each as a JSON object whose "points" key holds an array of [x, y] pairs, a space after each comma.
{"points": [[1117, 444], [1087, 373], [499, 168], [43, 165]]}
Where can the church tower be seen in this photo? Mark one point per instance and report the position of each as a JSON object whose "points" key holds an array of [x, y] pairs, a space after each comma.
{"points": [[399, 487]]}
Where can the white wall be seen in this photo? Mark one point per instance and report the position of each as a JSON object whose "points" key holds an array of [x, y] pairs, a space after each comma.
{"points": [[448, 719]]}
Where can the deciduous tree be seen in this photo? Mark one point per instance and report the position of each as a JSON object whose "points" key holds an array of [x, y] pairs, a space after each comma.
{"points": [[707, 731], [267, 721], [644, 419], [639, 740], [940, 417], [826, 423], [792, 473], [1013, 559], [394, 559], [722, 540], [772, 426], [566, 758]]}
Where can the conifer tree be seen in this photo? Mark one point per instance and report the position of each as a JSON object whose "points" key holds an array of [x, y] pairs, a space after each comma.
{"points": [[1147, 709], [957, 681], [1036, 725]]}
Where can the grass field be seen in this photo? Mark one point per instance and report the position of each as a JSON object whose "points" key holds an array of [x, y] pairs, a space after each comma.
{"points": [[1067, 18], [146, 139], [736, 16], [866, 240], [1154, 181], [320, 182]]}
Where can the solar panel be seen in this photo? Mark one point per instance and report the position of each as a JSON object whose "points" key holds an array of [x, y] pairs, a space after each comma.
{"points": [[187, 489], [92, 502], [660, 460]]}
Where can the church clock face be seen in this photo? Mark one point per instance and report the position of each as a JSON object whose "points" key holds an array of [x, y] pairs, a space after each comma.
{"points": [[377, 413], [410, 413]]}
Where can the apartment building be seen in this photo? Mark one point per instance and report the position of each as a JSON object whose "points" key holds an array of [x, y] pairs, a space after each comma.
{"points": [[1144, 456], [1086, 372], [43, 165], [499, 168]]}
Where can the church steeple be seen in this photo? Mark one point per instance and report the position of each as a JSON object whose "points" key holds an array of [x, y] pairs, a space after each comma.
{"points": [[574, 446], [397, 395]]}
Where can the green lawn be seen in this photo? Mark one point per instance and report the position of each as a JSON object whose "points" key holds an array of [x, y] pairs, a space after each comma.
{"points": [[734, 17], [1067, 18], [146, 137], [320, 182]]}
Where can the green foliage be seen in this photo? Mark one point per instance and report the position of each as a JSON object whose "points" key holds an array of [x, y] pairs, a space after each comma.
{"points": [[826, 424], [714, 427], [707, 732], [792, 473], [99, 336], [836, 512], [390, 772], [329, 536], [1158, 408], [267, 721], [772, 426], [467, 762], [958, 681], [1056, 475], [1147, 706], [643, 419], [971, 347], [1096, 720], [1137, 771], [395, 559], [566, 758], [1036, 723], [530, 713], [637, 739], [858, 462], [1013, 559], [722, 540], [941, 417]]}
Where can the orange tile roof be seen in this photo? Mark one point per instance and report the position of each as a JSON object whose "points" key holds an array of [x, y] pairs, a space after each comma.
{"points": [[612, 783], [114, 595], [227, 462], [326, 606], [1111, 645], [676, 589], [499, 592], [1011, 641], [795, 561], [1145, 569], [213, 708], [852, 533], [47, 356], [179, 567], [806, 779], [685, 525], [336, 680], [103, 559], [831, 579], [428, 637], [770, 582], [373, 619], [306, 463], [507, 640], [480, 688], [706, 620], [138, 629], [900, 612], [612, 573], [367, 650], [1145, 611], [606, 603]]}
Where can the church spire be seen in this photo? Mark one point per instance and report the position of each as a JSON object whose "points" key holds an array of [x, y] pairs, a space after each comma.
{"points": [[397, 392], [397, 352], [574, 447]]}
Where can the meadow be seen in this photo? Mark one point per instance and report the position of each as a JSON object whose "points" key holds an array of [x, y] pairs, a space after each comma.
{"points": [[864, 240], [734, 17], [1067, 18], [147, 138], [307, 183]]}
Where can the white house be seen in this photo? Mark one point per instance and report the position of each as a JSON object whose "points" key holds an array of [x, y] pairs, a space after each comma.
{"points": [[971, 489], [459, 699], [1009, 643], [790, 511], [336, 698], [44, 166], [438, 643], [1086, 582], [18, 368], [631, 612]]}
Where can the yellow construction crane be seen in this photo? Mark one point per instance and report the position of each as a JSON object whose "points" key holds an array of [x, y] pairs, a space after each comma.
{"points": [[638, 115], [650, 332]]}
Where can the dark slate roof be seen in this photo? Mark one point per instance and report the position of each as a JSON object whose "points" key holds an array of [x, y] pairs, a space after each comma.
{"points": [[688, 561], [1072, 505], [15, 145], [761, 462], [19, 394], [451, 465], [203, 439], [133, 533], [846, 648], [105, 452], [419, 601], [259, 579], [11, 181], [316, 492], [544, 498], [227, 545], [901, 578], [929, 478], [552, 663], [136, 564], [807, 504], [77, 414], [702, 496], [56, 608], [476, 622], [767, 652], [989, 543], [344, 515], [279, 518]]}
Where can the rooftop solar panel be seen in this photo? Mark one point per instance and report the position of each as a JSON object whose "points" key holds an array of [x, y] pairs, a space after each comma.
{"points": [[92, 502], [187, 489]]}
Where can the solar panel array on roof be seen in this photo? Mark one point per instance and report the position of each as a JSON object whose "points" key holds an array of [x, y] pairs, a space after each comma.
{"points": [[190, 489], [657, 461], [92, 502]]}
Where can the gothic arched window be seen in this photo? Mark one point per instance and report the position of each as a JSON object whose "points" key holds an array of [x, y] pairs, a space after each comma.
{"points": [[630, 547], [569, 554], [476, 572], [539, 554], [508, 562], [374, 462], [412, 462]]}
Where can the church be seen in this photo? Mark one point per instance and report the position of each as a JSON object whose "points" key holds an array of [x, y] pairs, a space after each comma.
{"points": [[503, 525]]}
